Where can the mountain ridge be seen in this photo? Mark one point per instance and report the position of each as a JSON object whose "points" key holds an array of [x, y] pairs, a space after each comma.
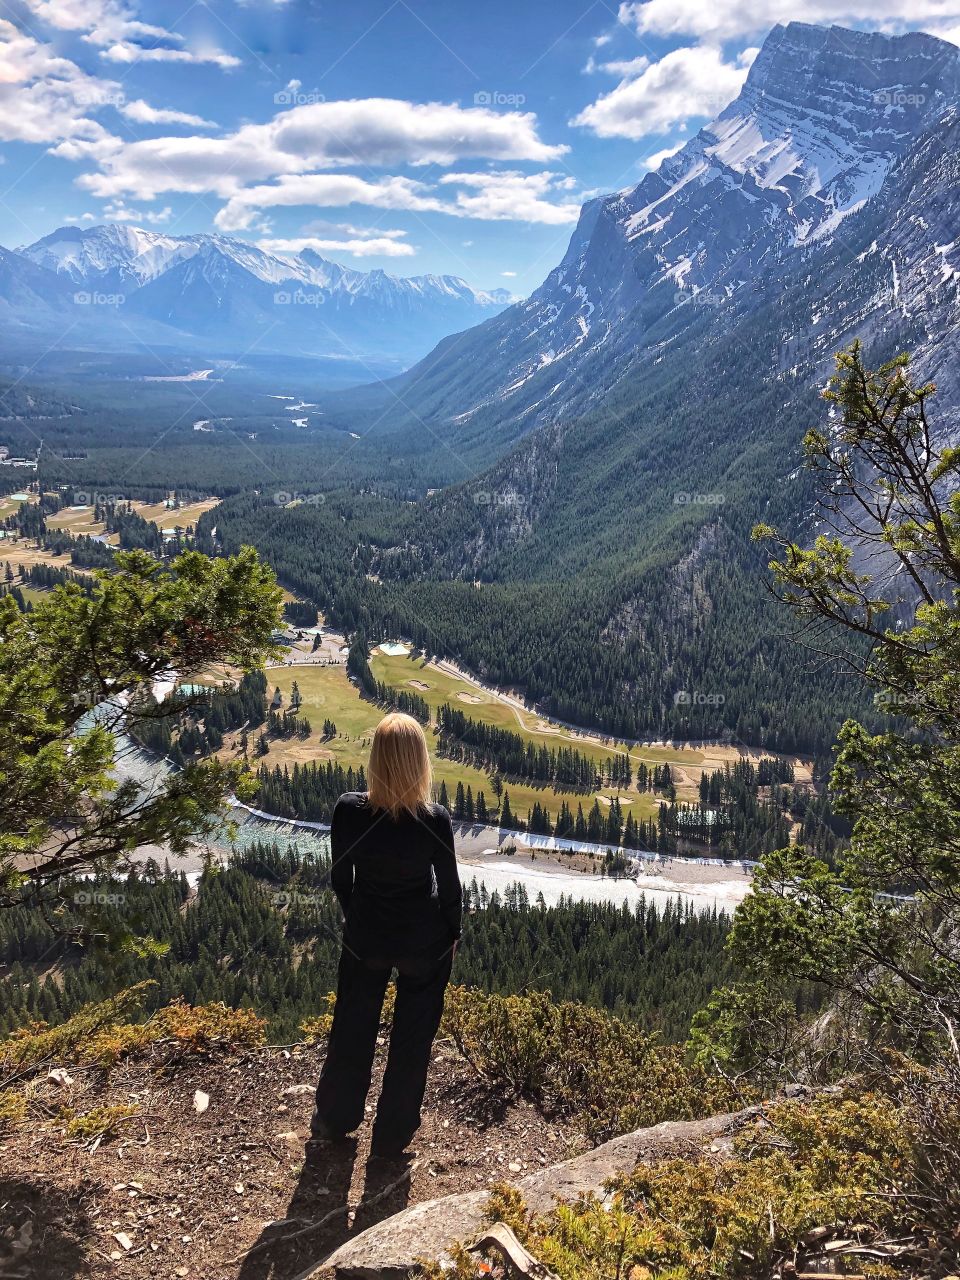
{"points": [[215, 289], [616, 519], [763, 183], [155, 252]]}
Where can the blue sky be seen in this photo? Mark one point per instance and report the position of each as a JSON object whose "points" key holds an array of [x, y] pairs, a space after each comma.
{"points": [[414, 136]]}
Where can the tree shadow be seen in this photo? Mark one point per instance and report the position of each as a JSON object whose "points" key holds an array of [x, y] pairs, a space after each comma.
{"points": [[484, 1102], [319, 1218], [42, 1231]]}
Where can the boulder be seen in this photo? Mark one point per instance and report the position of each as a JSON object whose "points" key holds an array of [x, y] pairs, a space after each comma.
{"points": [[428, 1230]]}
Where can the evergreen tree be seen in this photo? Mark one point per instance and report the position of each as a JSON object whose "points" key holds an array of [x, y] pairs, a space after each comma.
{"points": [[507, 820]]}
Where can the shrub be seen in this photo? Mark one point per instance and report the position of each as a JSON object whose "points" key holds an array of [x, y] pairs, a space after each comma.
{"points": [[808, 1172], [13, 1108], [100, 1122], [203, 1028], [319, 1027], [573, 1059], [102, 1035], [80, 1039]]}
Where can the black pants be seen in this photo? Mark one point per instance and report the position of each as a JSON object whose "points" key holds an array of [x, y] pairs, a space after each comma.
{"points": [[345, 1079]]}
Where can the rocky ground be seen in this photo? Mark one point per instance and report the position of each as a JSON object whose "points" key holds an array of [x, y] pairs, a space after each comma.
{"points": [[210, 1179]]}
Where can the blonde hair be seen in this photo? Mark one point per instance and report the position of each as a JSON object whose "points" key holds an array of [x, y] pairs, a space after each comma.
{"points": [[400, 777]]}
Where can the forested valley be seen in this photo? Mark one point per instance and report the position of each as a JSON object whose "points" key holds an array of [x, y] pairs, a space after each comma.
{"points": [[264, 934]]}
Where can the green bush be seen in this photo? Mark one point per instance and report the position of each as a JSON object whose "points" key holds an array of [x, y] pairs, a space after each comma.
{"points": [[102, 1034], [13, 1109], [572, 1059], [809, 1173], [100, 1122]]}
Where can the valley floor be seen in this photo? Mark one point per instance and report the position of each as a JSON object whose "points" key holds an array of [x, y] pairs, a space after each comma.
{"points": [[327, 693]]}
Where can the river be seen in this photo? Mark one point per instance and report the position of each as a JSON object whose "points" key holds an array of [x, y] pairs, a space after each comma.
{"points": [[702, 884]]}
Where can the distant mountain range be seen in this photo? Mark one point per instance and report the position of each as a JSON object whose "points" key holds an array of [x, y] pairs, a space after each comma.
{"points": [[117, 283]]}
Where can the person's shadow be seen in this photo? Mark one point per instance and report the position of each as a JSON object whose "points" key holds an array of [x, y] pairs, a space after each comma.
{"points": [[42, 1232], [319, 1218]]}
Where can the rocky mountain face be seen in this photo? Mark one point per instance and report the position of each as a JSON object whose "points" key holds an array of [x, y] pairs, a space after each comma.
{"points": [[637, 415], [831, 127], [234, 295]]}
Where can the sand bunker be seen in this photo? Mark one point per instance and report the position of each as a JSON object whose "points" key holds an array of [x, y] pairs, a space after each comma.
{"points": [[470, 697], [418, 684]]}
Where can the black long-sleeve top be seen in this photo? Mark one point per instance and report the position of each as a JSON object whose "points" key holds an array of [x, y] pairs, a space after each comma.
{"points": [[396, 880]]}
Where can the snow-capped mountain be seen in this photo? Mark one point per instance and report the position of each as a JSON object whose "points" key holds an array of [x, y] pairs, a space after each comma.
{"points": [[826, 119], [235, 295], [109, 255]]}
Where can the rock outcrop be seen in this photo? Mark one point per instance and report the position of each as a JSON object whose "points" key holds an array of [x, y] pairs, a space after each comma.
{"points": [[430, 1229]]}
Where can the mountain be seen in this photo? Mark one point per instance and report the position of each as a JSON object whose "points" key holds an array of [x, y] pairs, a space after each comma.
{"points": [[28, 296], [623, 429], [823, 121], [234, 296]]}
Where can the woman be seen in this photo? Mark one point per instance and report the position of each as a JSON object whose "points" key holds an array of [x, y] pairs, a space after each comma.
{"points": [[394, 872]]}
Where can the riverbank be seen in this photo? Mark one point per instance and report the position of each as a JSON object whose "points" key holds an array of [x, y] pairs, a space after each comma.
{"points": [[700, 883], [542, 868], [546, 865]]}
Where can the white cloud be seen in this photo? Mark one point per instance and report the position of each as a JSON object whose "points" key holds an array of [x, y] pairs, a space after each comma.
{"points": [[509, 274], [119, 212], [658, 157], [493, 196], [113, 26], [128, 51], [373, 131], [508, 195], [685, 84], [143, 113], [628, 69], [387, 244], [329, 190], [729, 19], [45, 98], [99, 21], [947, 30]]}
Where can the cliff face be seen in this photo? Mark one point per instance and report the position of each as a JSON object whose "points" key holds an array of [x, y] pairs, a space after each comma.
{"points": [[769, 195]]}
